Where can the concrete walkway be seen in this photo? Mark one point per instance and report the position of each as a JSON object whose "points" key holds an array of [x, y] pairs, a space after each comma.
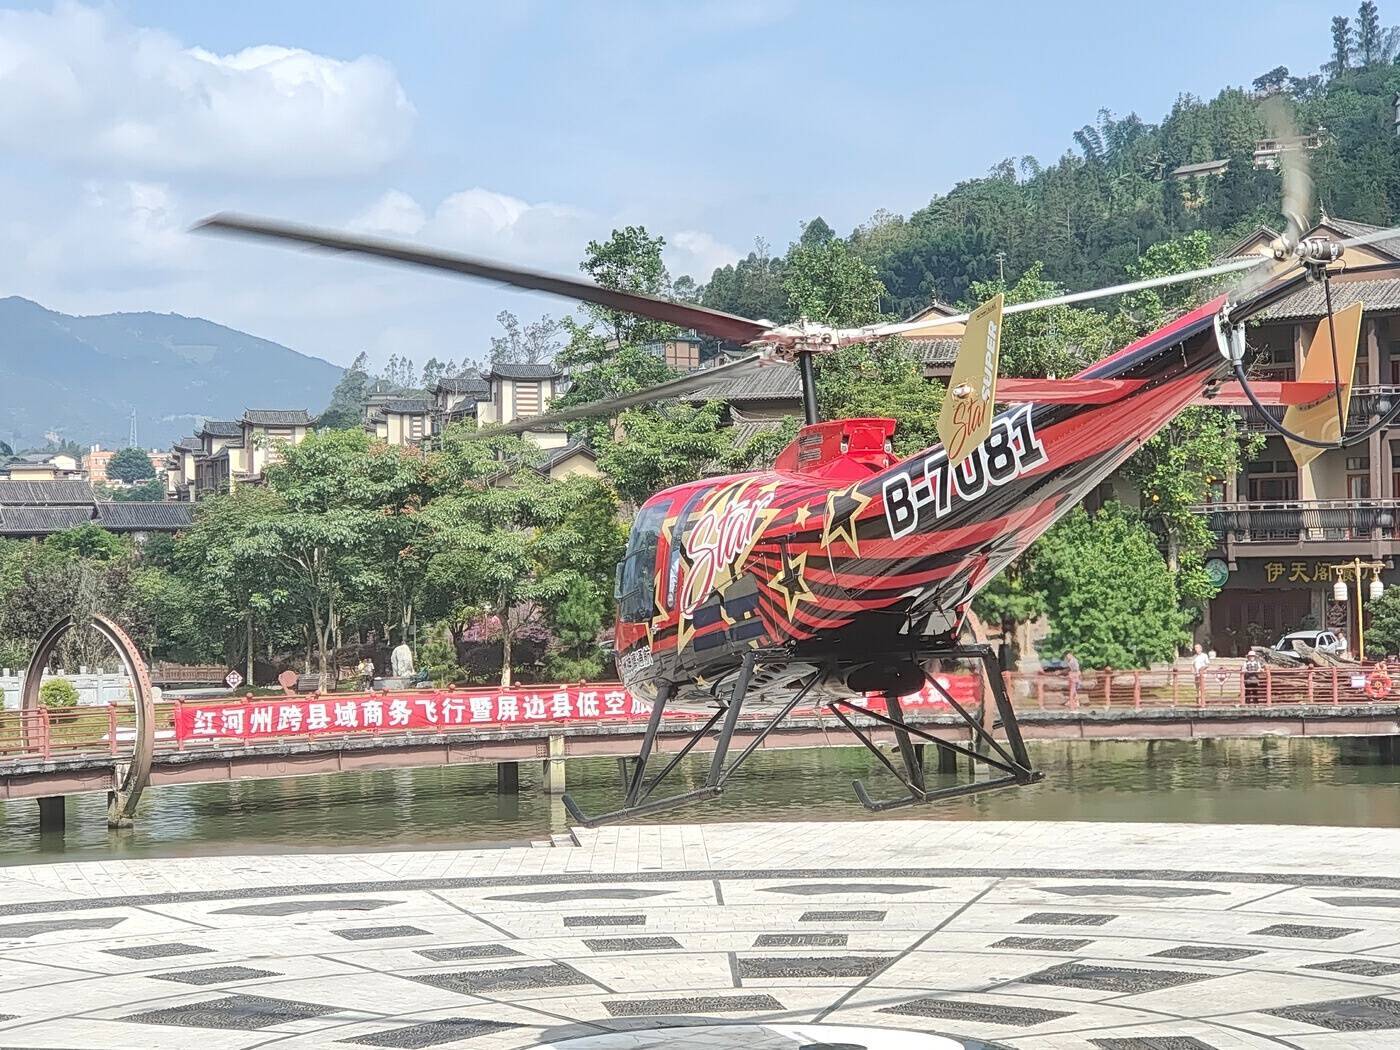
{"points": [[1027, 935]]}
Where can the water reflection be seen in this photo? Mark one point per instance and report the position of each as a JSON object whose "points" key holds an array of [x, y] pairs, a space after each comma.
{"points": [[1268, 781]]}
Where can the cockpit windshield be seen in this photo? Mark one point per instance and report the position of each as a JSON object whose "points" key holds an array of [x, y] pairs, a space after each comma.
{"points": [[636, 575]]}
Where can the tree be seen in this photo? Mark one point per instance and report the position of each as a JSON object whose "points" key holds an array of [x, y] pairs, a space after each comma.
{"points": [[344, 502], [881, 379], [536, 342], [58, 692], [152, 491], [1107, 591], [1368, 33], [752, 287], [505, 540], [348, 399], [1343, 44], [816, 233], [652, 450], [129, 465], [1383, 626], [237, 588], [829, 283], [1274, 80], [630, 261], [1056, 342]]}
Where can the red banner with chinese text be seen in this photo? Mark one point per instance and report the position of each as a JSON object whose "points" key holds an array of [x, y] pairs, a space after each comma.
{"points": [[454, 709]]}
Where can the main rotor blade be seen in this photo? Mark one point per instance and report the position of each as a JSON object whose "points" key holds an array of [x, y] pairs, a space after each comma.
{"points": [[1371, 238], [712, 322], [913, 328], [697, 380]]}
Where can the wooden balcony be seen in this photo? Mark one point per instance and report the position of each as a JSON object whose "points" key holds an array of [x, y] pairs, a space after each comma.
{"points": [[1364, 408]]}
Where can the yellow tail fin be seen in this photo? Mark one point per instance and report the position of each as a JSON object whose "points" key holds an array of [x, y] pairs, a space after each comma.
{"points": [[966, 416], [1318, 419]]}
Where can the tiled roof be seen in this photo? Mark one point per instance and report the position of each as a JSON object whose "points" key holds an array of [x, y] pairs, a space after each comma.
{"points": [[469, 382], [143, 517], [558, 455], [776, 382], [221, 428], [519, 370], [277, 417], [744, 429], [38, 521], [45, 493], [1310, 301], [407, 406], [936, 353], [188, 444]]}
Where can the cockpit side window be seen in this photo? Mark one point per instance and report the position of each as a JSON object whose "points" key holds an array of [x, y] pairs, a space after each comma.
{"points": [[636, 579]]}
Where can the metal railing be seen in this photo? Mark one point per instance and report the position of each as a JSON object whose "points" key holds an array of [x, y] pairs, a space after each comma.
{"points": [[1366, 405], [1294, 521]]}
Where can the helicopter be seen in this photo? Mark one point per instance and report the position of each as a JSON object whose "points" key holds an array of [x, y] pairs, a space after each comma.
{"points": [[844, 572]]}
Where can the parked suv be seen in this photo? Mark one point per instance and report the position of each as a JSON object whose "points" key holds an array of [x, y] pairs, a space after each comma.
{"points": [[1323, 640]]}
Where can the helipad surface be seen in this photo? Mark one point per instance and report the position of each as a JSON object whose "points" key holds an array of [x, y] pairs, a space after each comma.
{"points": [[889, 936]]}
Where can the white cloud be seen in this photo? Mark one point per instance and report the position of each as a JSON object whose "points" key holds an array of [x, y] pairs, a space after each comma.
{"points": [[82, 84], [395, 213], [119, 231], [697, 254], [496, 224]]}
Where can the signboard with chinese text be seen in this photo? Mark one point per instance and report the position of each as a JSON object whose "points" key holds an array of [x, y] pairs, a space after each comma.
{"points": [[451, 710]]}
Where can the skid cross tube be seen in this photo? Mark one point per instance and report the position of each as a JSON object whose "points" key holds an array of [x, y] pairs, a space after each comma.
{"points": [[1014, 763], [638, 801]]}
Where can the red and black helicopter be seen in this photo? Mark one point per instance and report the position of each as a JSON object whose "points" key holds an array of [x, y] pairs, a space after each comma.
{"points": [[844, 571]]}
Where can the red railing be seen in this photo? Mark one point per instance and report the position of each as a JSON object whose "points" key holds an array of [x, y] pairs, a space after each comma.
{"points": [[110, 729], [1179, 687]]}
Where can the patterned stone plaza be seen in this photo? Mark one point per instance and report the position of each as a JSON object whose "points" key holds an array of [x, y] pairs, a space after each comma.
{"points": [[908, 935]]}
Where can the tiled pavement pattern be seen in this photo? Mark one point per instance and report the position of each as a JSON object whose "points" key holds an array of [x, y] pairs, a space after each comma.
{"points": [[1029, 936]]}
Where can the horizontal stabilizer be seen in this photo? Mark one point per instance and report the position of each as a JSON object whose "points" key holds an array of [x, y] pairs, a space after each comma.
{"points": [[1106, 391]]}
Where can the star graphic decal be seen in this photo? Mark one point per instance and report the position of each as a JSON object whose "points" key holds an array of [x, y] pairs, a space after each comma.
{"points": [[791, 583], [803, 513], [842, 510]]}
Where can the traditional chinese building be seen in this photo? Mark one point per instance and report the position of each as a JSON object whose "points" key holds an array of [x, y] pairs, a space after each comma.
{"points": [[1279, 527]]}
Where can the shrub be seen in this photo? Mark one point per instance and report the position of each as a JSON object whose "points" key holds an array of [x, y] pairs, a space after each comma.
{"points": [[58, 692]]}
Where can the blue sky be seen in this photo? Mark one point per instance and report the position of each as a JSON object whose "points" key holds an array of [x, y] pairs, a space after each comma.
{"points": [[521, 130]]}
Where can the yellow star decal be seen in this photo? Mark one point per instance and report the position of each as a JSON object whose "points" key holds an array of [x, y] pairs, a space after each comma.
{"points": [[803, 513], [791, 583], [842, 510]]}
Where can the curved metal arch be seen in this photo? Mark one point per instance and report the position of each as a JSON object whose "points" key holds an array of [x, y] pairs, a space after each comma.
{"points": [[129, 783]]}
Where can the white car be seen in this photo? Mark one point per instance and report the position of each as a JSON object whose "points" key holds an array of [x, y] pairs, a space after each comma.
{"points": [[1326, 641]]}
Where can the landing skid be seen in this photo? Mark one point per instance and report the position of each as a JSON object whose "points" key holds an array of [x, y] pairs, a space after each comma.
{"points": [[1010, 758]]}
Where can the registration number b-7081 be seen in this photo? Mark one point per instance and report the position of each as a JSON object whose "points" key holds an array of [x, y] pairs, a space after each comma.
{"points": [[930, 485]]}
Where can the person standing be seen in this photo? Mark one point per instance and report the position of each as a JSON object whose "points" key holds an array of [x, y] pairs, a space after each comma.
{"points": [[366, 669], [1253, 671], [1199, 662], [1072, 666]]}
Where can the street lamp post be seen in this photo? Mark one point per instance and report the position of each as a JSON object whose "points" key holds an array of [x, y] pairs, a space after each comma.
{"points": [[1354, 570]]}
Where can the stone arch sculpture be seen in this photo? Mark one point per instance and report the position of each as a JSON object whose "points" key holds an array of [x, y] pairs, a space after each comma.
{"points": [[129, 776]]}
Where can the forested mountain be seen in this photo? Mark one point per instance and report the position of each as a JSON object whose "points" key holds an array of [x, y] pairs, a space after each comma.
{"points": [[1092, 212], [80, 378]]}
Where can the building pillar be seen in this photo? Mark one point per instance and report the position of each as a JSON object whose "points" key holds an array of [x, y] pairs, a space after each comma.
{"points": [[507, 778], [53, 814], [1373, 353], [554, 767]]}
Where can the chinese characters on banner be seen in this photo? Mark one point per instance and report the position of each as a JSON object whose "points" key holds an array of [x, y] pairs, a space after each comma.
{"points": [[421, 711], [452, 710]]}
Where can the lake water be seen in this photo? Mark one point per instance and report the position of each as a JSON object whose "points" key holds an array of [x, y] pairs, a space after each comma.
{"points": [[1269, 781]]}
